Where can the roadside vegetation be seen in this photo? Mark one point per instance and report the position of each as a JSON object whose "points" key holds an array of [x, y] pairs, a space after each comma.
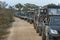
{"points": [[6, 19], [26, 7]]}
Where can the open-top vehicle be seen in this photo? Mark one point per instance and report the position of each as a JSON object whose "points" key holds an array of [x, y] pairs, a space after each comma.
{"points": [[50, 29]]}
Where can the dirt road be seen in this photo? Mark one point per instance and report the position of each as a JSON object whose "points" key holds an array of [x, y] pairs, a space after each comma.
{"points": [[22, 30]]}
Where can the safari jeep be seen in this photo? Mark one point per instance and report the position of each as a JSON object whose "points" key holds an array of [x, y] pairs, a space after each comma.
{"points": [[51, 30]]}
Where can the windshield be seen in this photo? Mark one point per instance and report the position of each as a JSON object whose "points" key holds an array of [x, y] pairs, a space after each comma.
{"points": [[54, 11], [55, 21], [43, 12]]}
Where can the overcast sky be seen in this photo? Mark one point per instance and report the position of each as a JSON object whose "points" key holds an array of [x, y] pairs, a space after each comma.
{"points": [[37, 2]]}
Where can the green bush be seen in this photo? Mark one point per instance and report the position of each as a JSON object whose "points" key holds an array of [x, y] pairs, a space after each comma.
{"points": [[6, 19]]}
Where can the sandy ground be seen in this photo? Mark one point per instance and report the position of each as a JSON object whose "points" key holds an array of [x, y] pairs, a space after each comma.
{"points": [[22, 30]]}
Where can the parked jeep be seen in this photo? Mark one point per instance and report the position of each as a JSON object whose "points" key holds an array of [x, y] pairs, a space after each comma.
{"points": [[30, 17], [51, 26], [36, 15], [40, 19]]}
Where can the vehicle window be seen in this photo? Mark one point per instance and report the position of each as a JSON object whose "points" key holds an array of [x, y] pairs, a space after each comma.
{"points": [[54, 11], [43, 12], [51, 11], [58, 11], [54, 20]]}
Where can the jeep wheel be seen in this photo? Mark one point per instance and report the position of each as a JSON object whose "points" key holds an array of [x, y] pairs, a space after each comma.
{"points": [[43, 36], [48, 38], [30, 22], [37, 31], [40, 32], [34, 26]]}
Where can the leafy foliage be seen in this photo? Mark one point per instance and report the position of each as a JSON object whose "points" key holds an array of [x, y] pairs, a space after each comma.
{"points": [[19, 6], [26, 7], [31, 5], [52, 6], [3, 4]]}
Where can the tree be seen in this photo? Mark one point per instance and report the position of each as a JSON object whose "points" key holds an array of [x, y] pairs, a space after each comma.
{"points": [[52, 6], [3, 4], [25, 9], [10, 7], [19, 6], [31, 6], [28, 7]]}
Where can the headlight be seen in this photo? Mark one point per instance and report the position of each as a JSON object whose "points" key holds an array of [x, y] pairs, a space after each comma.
{"points": [[54, 31]]}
